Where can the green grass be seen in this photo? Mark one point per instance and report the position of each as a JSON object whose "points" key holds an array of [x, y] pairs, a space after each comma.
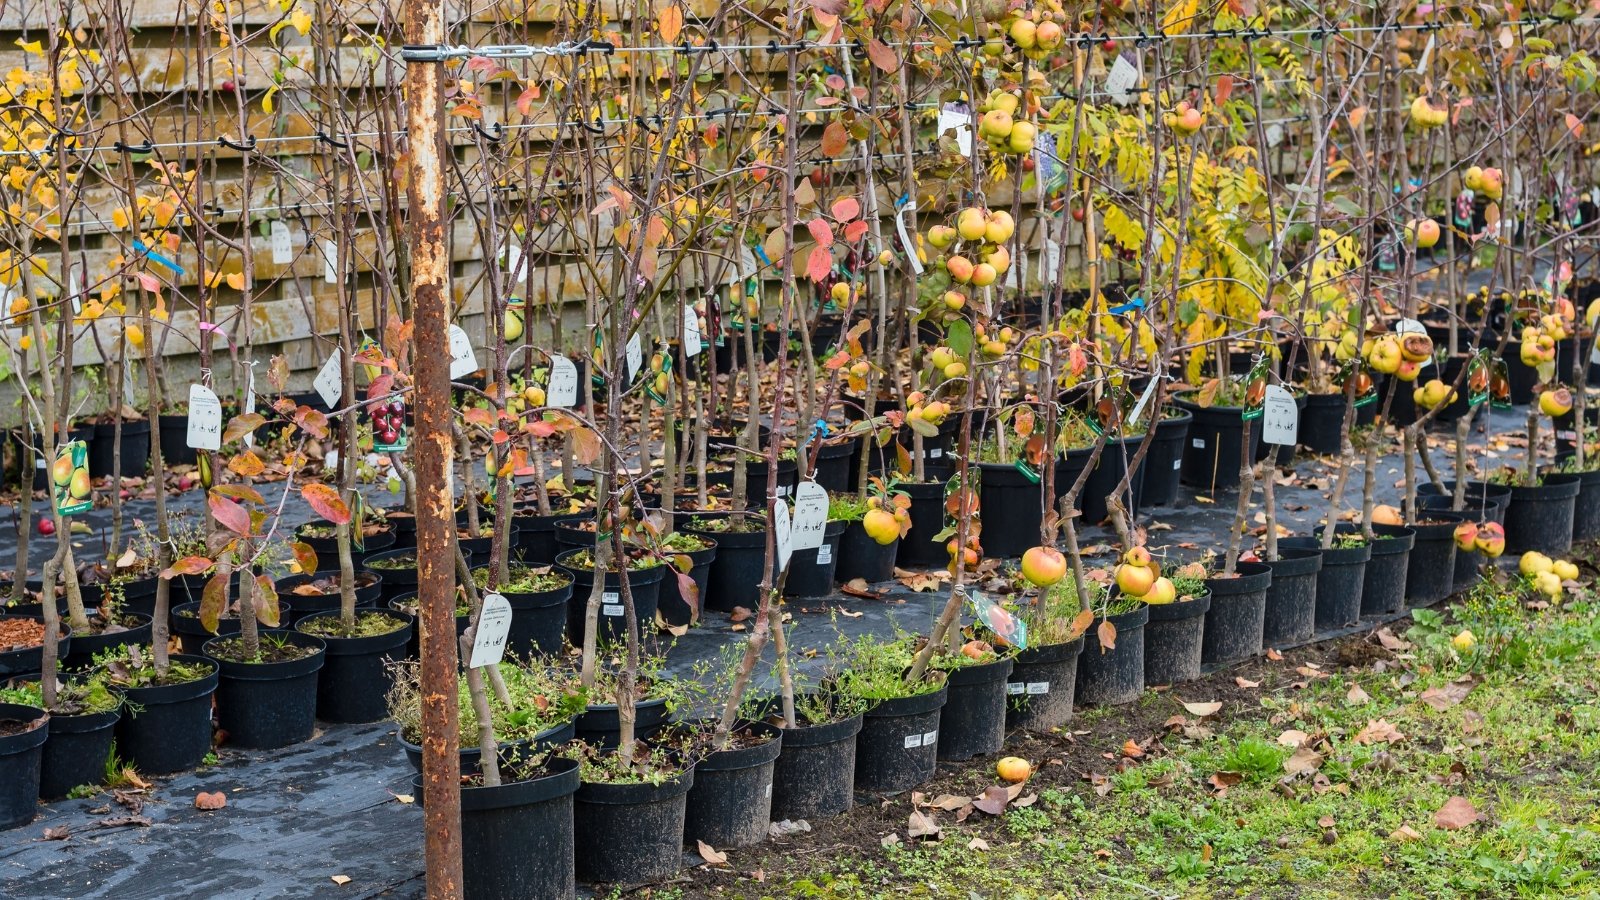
{"points": [[1523, 747]]}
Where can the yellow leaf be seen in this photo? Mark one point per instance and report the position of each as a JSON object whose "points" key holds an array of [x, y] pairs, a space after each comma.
{"points": [[301, 20], [1179, 16], [671, 23], [236, 280], [266, 99]]}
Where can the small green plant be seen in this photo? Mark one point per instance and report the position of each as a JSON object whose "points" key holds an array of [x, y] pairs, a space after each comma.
{"points": [[874, 670], [653, 765], [526, 579], [1255, 758], [541, 697], [846, 508], [1050, 616]]}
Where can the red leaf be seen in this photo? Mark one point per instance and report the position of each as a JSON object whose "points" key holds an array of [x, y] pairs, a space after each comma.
{"points": [[212, 602], [882, 55], [1224, 89], [266, 602], [854, 231], [305, 556], [834, 139], [229, 514], [821, 232], [380, 386], [846, 208], [189, 565], [819, 263], [526, 98], [326, 502], [689, 591]]}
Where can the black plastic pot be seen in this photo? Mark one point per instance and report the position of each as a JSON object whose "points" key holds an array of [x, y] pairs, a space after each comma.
{"points": [[404, 527], [135, 449], [631, 833], [1586, 509], [735, 577], [393, 582], [755, 474], [139, 595], [1173, 639], [861, 556], [20, 757], [1164, 459], [833, 467], [643, 584], [1105, 478], [814, 777], [1497, 495], [918, 549], [1431, 567], [167, 728], [28, 660], [328, 549], [355, 673], [730, 804], [598, 725], [1043, 681], [1540, 517], [1211, 459], [673, 606], [76, 752], [1114, 675], [305, 605], [1021, 504], [264, 706], [574, 532], [1238, 610], [811, 572], [1291, 613], [973, 721], [898, 747], [1467, 562], [1322, 421], [85, 646], [183, 621], [1339, 581], [175, 449], [536, 539], [521, 834], [507, 752], [538, 621], [1383, 586]]}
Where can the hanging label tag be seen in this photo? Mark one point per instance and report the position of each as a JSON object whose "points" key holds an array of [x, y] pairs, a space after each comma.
{"points": [[1274, 134], [1427, 54], [1280, 416], [692, 342], [75, 291], [205, 418], [1121, 81], [563, 390], [282, 243], [494, 624], [1144, 400], [330, 262], [907, 242], [250, 402], [635, 354], [330, 381], [463, 361], [1412, 326], [810, 516], [515, 264], [783, 528], [75, 493], [999, 620], [956, 117]]}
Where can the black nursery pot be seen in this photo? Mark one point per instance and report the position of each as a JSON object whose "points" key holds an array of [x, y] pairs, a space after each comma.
{"points": [[1540, 517], [1004, 487], [303, 606], [355, 673], [631, 833], [20, 758], [508, 752], [264, 706], [1476, 492], [1040, 690], [393, 582], [1586, 509], [973, 722], [918, 549], [139, 595], [674, 608], [76, 752], [814, 776], [1465, 572], [861, 556], [183, 621], [1162, 462], [735, 577], [573, 531], [538, 621], [1106, 478], [1431, 567], [898, 747], [1114, 675], [1322, 422], [730, 804], [167, 728], [85, 646], [1238, 610], [535, 540], [833, 467], [1291, 612], [1173, 639], [599, 724], [811, 572], [1383, 587], [1339, 581], [643, 584], [28, 660], [1211, 458], [135, 449], [175, 449], [521, 835], [404, 528]]}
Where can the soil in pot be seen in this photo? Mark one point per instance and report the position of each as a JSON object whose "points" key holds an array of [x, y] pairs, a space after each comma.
{"points": [[538, 596], [1383, 585], [355, 674], [269, 700], [521, 833], [166, 726], [81, 731], [735, 576], [23, 732], [22, 645], [1234, 624], [1039, 692], [973, 721], [631, 833], [644, 584], [1112, 675], [1431, 565], [1174, 636], [730, 804], [396, 568], [898, 747], [1291, 613], [814, 776], [1339, 581], [1539, 517], [309, 595]]}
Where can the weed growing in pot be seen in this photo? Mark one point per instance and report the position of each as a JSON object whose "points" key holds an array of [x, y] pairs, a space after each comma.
{"points": [[873, 670], [540, 696]]}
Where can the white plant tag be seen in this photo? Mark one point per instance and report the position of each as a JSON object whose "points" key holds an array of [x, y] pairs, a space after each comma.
{"points": [[913, 741], [205, 418], [1038, 687], [282, 243], [494, 624], [515, 263], [611, 604], [810, 516], [783, 525], [906, 240], [249, 402], [692, 343], [824, 555], [1280, 417], [330, 262], [960, 120], [563, 390], [1015, 688], [329, 384], [635, 356], [1122, 80], [1274, 134], [463, 361]]}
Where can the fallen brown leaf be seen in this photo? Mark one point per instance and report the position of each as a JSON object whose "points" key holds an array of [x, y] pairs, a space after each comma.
{"points": [[993, 801], [339, 879], [1356, 696], [711, 855], [1244, 682], [739, 614], [1302, 761], [1457, 812], [211, 801], [1293, 738], [1392, 642], [921, 824], [58, 833], [977, 843], [1405, 834], [1378, 731], [1203, 709]]}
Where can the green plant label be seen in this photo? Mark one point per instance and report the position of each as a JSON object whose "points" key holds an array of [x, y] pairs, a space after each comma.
{"points": [[70, 487], [1028, 472]]}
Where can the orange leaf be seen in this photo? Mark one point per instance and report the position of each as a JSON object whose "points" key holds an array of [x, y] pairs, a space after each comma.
{"points": [[846, 208], [305, 556], [834, 139], [326, 502], [671, 23], [821, 232], [189, 565], [882, 55], [819, 263], [1107, 633]]}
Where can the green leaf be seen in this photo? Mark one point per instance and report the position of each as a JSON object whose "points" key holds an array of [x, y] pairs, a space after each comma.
{"points": [[958, 336]]}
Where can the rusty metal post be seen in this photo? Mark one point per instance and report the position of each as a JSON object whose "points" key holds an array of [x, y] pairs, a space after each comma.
{"points": [[441, 786]]}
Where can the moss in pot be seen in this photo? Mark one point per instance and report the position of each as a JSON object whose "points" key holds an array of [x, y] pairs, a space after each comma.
{"points": [[82, 730], [544, 704]]}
